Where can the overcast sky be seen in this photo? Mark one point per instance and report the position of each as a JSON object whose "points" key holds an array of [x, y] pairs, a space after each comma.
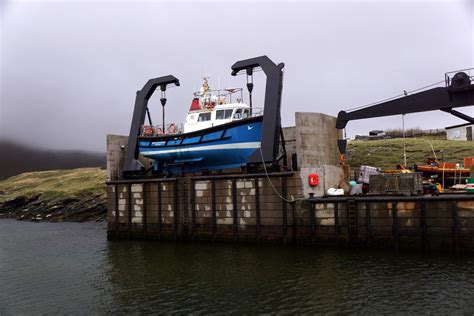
{"points": [[70, 70]]}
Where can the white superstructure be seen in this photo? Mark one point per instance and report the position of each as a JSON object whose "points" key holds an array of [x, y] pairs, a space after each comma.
{"points": [[211, 108], [220, 114]]}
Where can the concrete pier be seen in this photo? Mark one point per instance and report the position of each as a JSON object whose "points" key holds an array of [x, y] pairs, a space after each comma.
{"points": [[240, 207], [277, 207]]}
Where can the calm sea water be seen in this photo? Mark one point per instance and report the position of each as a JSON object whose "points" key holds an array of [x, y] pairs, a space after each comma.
{"points": [[71, 268]]}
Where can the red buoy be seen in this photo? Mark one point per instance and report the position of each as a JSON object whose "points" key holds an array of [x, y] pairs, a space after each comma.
{"points": [[313, 179]]}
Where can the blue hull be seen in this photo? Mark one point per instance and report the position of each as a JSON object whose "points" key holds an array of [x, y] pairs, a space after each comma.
{"points": [[221, 147]]}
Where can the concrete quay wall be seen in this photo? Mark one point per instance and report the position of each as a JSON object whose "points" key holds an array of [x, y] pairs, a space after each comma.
{"points": [[232, 210], [428, 224], [197, 213]]}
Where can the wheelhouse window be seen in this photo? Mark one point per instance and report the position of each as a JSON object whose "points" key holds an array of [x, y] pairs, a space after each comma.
{"points": [[204, 117], [223, 114], [246, 113], [238, 114]]}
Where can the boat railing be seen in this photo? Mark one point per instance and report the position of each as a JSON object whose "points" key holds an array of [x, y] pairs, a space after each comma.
{"points": [[256, 112], [178, 128], [157, 130], [227, 94], [247, 114]]}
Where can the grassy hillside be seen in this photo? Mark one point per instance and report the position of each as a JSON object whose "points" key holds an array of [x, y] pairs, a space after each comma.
{"points": [[75, 194], [388, 153]]}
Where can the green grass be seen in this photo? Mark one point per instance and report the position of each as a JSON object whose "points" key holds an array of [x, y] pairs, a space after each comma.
{"points": [[55, 184], [388, 153]]}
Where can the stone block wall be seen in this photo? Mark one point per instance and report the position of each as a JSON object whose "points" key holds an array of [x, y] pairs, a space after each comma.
{"points": [[156, 212], [270, 207], [144, 200], [376, 226]]}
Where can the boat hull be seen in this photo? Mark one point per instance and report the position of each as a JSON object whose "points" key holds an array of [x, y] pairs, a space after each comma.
{"points": [[432, 170], [448, 175], [219, 147]]}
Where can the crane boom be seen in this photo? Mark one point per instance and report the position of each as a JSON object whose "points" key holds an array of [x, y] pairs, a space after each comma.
{"points": [[458, 92]]}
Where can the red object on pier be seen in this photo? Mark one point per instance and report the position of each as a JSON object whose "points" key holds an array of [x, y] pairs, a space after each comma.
{"points": [[313, 179], [468, 162]]}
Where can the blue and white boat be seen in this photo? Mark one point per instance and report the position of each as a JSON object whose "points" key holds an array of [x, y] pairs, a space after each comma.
{"points": [[218, 133]]}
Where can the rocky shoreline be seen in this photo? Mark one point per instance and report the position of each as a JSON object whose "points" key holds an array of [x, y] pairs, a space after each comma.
{"points": [[74, 195], [59, 210]]}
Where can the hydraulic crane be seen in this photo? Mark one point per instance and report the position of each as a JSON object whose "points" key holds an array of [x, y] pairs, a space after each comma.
{"points": [[457, 92]]}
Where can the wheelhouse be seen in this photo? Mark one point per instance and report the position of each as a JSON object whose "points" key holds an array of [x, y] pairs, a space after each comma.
{"points": [[221, 114]]}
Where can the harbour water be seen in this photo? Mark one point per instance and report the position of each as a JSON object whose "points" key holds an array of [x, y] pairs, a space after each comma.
{"points": [[70, 268]]}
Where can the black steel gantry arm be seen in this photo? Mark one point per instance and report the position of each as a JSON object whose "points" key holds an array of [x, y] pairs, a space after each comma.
{"points": [[271, 126], [139, 113], [459, 92]]}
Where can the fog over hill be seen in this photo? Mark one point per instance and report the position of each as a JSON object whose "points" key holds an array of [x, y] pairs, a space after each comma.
{"points": [[70, 69], [17, 158]]}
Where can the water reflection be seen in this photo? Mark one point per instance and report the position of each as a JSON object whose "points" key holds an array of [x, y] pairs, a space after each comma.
{"points": [[187, 278], [71, 269]]}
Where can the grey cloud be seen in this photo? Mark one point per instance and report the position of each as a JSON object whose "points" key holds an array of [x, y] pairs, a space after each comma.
{"points": [[70, 70]]}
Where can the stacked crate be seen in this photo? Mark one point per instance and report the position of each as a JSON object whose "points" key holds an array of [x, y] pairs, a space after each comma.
{"points": [[397, 183], [377, 184]]}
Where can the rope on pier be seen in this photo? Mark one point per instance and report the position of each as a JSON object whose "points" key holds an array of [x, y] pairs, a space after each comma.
{"points": [[271, 183]]}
